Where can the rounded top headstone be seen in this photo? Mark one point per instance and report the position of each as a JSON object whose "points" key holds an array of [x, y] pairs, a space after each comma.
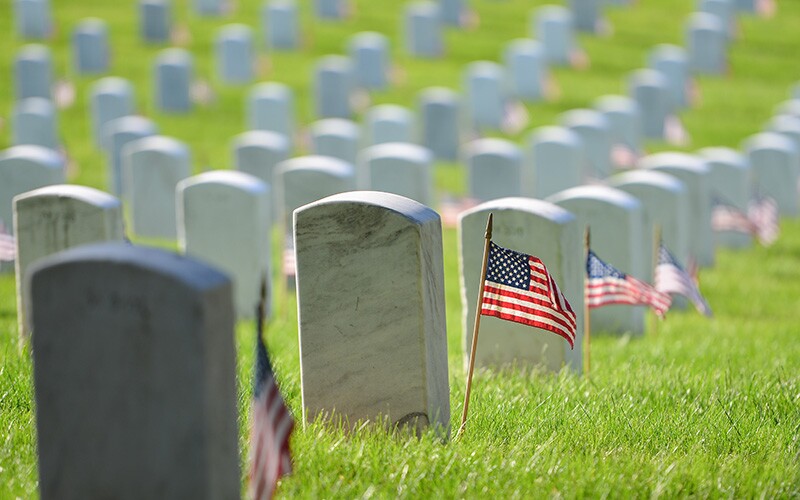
{"points": [[328, 164], [112, 85], [438, 94], [789, 124], [527, 46], [544, 208], [403, 150], [265, 138], [30, 152], [584, 118], [369, 38], [487, 69], [554, 12], [649, 77], [91, 25], [491, 145], [616, 104], [727, 156], [606, 194], [33, 51], [334, 63], [648, 178], [388, 111], [671, 159], [789, 107], [552, 133], [175, 55], [668, 52], [270, 89], [769, 140], [235, 31], [705, 21], [335, 126], [84, 193], [36, 105], [423, 7], [406, 207], [233, 178]]}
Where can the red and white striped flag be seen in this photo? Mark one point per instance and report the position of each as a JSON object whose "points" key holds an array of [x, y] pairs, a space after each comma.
{"points": [[671, 278], [763, 214], [8, 245], [608, 285], [271, 424], [725, 217], [518, 288]]}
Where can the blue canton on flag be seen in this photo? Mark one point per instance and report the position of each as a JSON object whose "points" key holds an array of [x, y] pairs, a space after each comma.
{"points": [[671, 278]]}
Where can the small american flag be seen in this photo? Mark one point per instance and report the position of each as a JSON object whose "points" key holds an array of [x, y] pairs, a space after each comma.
{"points": [[8, 245], [518, 288], [763, 214], [671, 278], [271, 424], [608, 285], [726, 217]]}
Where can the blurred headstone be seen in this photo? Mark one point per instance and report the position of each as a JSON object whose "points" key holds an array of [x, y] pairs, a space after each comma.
{"points": [[399, 168], [494, 169]]}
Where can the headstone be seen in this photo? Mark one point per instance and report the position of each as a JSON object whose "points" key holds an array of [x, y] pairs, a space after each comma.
{"points": [[153, 167], [615, 220], [423, 30], [333, 87], [117, 133], [258, 152], [23, 169], [787, 125], [776, 169], [173, 81], [335, 137], [306, 179], [724, 10], [388, 123], [554, 162], [134, 375], [731, 184], [527, 69], [369, 52], [282, 25], [485, 95], [33, 19], [235, 54], [439, 116], [210, 8], [90, 50], [706, 44], [379, 350], [789, 107], [693, 171], [453, 12], [53, 218], [587, 15], [650, 90], [494, 169], [224, 219], [594, 130], [330, 9], [665, 204], [111, 98], [748, 6], [33, 72], [35, 122], [673, 64], [155, 20], [554, 27], [399, 168], [624, 126], [270, 107], [534, 227]]}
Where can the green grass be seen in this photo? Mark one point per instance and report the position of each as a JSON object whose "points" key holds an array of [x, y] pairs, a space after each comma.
{"points": [[697, 407]]}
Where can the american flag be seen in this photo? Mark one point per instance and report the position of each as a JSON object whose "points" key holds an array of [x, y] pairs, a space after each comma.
{"points": [[518, 288], [8, 245], [726, 217], [271, 424], [671, 278], [763, 214], [608, 285]]}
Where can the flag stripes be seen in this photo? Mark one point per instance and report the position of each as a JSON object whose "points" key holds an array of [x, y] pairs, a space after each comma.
{"points": [[671, 278], [607, 285]]}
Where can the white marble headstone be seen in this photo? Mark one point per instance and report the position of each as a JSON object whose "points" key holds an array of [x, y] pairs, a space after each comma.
{"points": [[554, 158], [388, 123], [673, 63], [706, 44], [53, 218], [494, 169], [373, 339], [534, 227], [649, 88], [111, 98], [485, 95], [224, 219], [731, 184], [33, 72], [335, 137], [776, 169], [90, 47], [554, 26], [625, 127], [270, 107], [33, 19], [281, 24], [36, 123], [527, 69], [333, 87], [594, 130], [371, 58], [235, 54], [116, 134], [440, 127], [257, 152], [400, 168], [423, 30], [173, 74]]}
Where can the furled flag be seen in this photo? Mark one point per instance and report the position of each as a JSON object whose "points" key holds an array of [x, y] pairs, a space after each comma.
{"points": [[671, 278], [271, 425], [8, 245], [608, 285], [763, 214], [518, 288], [726, 217]]}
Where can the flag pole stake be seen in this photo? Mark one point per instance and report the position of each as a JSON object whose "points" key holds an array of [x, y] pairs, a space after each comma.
{"points": [[488, 239], [587, 327]]}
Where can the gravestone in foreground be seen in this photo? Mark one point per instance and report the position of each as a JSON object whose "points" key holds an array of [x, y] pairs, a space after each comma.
{"points": [[537, 228], [373, 338], [54, 218], [134, 375]]}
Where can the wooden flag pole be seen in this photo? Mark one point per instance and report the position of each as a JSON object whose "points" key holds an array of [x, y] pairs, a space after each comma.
{"points": [[656, 247], [587, 327], [488, 239]]}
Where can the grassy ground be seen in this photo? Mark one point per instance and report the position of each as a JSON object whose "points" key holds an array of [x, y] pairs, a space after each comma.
{"points": [[705, 408]]}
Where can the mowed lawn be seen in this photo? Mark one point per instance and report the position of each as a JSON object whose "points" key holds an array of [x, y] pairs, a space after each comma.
{"points": [[696, 407]]}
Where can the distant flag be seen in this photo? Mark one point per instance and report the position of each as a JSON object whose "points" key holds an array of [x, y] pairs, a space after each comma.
{"points": [[671, 278], [271, 423], [726, 217], [288, 262], [8, 245], [518, 288], [763, 213], [607, 285]]}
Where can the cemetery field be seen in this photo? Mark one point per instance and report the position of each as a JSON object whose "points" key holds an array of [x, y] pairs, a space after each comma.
{"points": [[695, 407]]}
